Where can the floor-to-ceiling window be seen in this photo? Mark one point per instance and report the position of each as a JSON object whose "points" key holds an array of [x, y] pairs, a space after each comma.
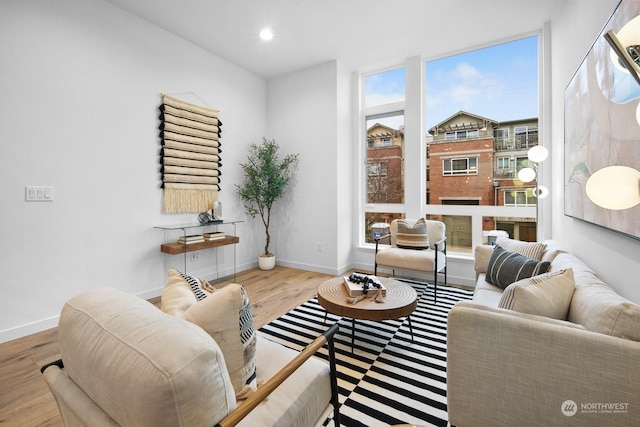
{"points": [[383, 148], [479, 118]]}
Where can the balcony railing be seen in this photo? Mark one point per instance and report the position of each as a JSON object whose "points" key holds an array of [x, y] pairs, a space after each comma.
{"points": [[504, 173], [467, 226], [520, 142]]}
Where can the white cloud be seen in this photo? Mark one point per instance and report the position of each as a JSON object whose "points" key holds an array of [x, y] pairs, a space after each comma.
{"points": [[466, 71]]}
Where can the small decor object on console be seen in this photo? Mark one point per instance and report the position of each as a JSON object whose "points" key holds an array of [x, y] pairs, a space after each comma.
{"points": [[217, 210], [358, 284]]}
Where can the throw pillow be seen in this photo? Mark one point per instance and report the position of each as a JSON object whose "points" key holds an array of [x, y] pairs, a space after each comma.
{"points": [[226, 316], [599, 308], [506, 267], [546, 295], [533, 250], [182, 291], [412, 236]]}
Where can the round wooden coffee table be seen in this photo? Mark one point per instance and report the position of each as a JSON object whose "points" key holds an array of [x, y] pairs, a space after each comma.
{"points": [[400, 301]]}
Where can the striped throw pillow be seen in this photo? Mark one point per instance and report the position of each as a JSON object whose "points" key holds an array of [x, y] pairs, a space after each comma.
{"points": [[412, 236], [533, 250], [506, 267], [547, 294]]}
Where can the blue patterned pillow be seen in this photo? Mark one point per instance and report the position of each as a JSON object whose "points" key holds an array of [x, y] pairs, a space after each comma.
{"points": [[506, 267]]}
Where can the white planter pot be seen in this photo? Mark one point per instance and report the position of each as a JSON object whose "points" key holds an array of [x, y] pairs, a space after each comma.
{"points": [[266, 262]]}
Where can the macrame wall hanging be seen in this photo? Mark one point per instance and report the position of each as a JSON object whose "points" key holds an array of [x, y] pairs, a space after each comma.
{"points": [[190, 156]]}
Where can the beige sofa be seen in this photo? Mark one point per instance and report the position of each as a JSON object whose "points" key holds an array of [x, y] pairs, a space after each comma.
{"points": [[125, 362], [508, 368]]}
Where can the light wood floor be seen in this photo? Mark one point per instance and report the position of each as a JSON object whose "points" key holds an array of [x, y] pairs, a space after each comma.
{"points": [[25, 399]]}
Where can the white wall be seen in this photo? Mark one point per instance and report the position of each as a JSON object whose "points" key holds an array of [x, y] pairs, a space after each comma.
{"points": [[614, 257], [308, 113], [79, 94]]}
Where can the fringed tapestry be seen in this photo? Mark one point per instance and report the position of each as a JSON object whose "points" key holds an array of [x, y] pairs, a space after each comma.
{"points": [[190, 156]]}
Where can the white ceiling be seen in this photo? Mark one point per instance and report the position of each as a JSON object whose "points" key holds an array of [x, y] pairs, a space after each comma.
{"points": [[362, 34]]}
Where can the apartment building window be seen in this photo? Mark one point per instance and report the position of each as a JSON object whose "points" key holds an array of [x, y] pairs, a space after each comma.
{"points": [[460, 166], [526, 136], [522, 162], [376, 141], [461, 134], [501, 137], [503, 163], [519, 198]]}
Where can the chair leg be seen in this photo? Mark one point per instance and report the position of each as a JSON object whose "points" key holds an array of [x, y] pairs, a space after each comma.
{"points": [[333, 374], [435, 285], [445, 275], [410, 327]]}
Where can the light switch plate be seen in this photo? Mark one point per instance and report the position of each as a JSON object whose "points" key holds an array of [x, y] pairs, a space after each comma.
{"points": [[38, 193]]}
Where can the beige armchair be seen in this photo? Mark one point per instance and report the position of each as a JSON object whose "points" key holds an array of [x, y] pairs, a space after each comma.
{"points": [[127, 363], [412, 250]]}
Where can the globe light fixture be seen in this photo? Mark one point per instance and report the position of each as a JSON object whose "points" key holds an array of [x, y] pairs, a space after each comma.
{"points": [[538, 154], [541, 192], [614, 187], [526, 174]]}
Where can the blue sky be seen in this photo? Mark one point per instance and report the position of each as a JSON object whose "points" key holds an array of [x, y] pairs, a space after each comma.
{"points": [[498, 82]]}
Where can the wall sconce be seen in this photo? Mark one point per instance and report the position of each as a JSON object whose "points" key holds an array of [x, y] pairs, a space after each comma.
{"points": [[614, 187], [536, 154]]}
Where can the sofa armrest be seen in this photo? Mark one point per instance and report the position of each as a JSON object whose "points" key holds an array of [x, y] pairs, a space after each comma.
{"points": [[76, 408], [482, 253], [505, 368]]}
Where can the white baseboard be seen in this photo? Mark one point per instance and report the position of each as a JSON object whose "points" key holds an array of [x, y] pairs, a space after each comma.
{"points": [[28, 329]]}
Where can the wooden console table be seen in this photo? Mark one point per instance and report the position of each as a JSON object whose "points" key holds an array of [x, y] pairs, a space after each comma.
{"points": [[176, 248]]}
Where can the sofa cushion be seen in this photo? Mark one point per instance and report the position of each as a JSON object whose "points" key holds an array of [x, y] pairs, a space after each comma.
{"points": [[506, 267], [300, 399], [533, 250], [225, 315], [546, 295], [113, 341], [485, 293], [481, 255], [410, 236], [599, 308]]}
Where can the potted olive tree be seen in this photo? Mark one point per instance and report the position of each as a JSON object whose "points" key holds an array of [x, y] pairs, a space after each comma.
{"points": [[266, 177]]}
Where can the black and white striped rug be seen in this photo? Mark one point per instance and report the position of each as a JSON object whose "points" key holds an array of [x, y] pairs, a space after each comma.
{"points": [[388, 379]]}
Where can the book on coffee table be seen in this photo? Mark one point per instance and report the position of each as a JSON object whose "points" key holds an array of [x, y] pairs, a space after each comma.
{"points": [[357, 289]]}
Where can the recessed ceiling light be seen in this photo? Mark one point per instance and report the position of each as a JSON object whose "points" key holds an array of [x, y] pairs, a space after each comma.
{"points": [[266, 34]]}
